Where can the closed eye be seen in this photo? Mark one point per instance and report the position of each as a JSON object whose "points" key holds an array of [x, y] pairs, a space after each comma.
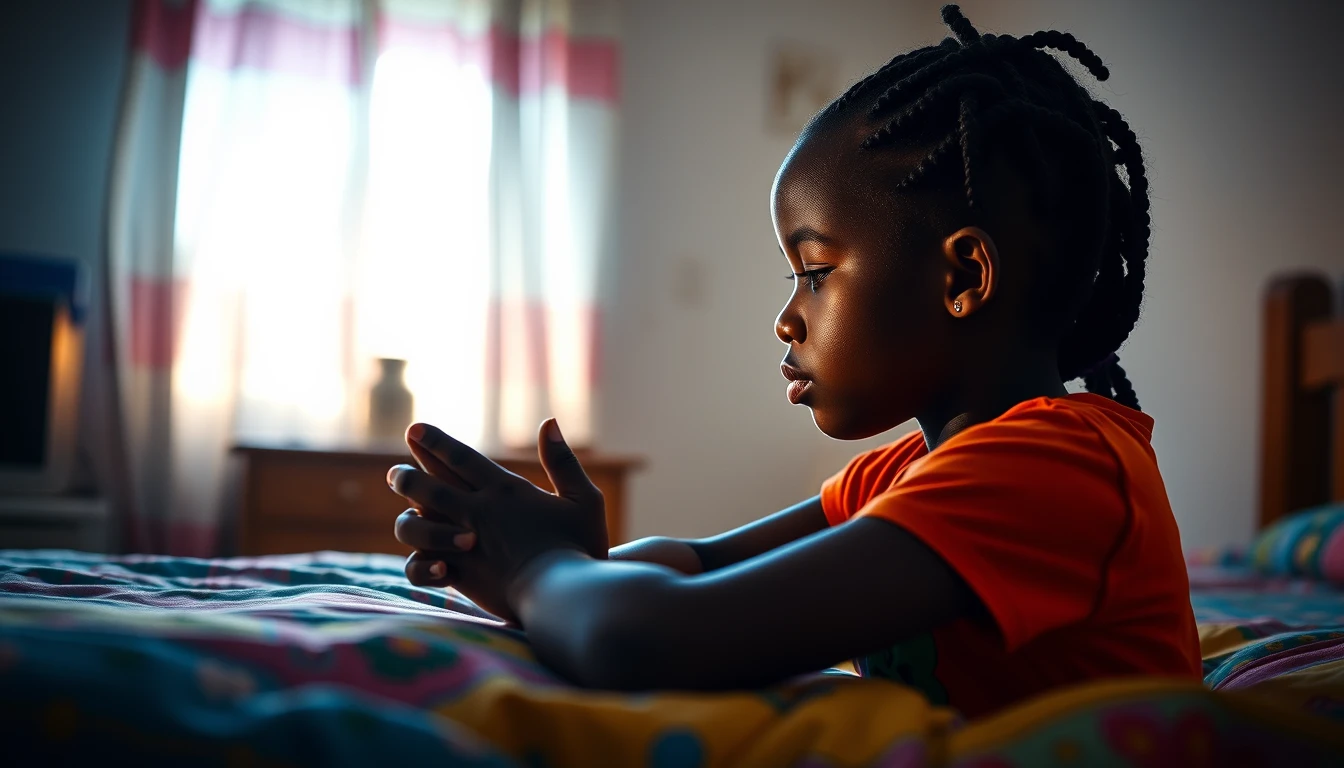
{"points": [[813, 276]]}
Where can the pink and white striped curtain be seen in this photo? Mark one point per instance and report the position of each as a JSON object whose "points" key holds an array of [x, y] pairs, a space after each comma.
{"points": [[302, 186]]}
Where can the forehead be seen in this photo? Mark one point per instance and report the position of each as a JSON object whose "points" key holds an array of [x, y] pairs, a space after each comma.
{"points": [[829, 183], [828, 176], [813, 171]]}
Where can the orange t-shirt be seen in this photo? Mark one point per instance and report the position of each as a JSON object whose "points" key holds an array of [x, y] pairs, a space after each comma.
{"points": [[1055, 515]]}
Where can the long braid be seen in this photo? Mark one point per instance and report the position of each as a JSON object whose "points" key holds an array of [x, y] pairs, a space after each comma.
{"points": [[1063, 41], [1124, 391], [1008, 92], [959, 24], [1133, 224], [1139, 226], [1098, 380]]}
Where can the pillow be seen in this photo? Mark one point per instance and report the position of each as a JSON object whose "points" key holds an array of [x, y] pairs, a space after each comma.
{"points": [[1309, 543]]}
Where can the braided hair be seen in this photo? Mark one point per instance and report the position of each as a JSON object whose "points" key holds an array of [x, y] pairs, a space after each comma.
{"points": [[972, 95]]}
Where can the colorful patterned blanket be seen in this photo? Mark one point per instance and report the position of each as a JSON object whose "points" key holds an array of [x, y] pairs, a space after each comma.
{"points": [[335, 659]]}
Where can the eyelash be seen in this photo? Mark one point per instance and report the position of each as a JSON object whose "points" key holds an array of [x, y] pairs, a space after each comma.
{"points": [[814, 276]]}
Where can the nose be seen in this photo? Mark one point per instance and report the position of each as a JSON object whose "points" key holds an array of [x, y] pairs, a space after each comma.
{"points": [[789, 326]]}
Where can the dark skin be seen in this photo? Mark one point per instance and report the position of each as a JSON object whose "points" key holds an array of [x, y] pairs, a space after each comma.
{"points": [[897, 311]]}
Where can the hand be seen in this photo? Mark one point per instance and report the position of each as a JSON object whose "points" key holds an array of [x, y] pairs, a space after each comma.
{"points": [[474, 525]]}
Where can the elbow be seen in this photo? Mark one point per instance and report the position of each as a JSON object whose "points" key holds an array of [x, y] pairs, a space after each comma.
{"points": [[621, 647], [612, 629], [616, 658]]}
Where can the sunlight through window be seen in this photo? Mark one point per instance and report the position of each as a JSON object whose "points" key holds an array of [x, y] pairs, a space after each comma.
{"points": [[424, 279]]}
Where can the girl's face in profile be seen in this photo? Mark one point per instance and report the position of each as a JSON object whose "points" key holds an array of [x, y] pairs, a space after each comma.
{"points": [[866, 323]]}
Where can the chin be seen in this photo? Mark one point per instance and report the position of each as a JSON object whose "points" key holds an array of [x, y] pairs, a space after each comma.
{"points": [[845, 426], [857, 417]]}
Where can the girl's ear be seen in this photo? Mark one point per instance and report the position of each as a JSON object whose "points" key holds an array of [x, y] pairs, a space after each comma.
{"points": [[972, 270]]}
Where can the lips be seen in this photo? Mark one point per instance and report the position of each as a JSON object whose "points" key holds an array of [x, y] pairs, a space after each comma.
{"points": [[797, 389], [799, 383]]}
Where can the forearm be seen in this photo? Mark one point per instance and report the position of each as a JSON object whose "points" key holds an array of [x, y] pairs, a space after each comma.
{"points": [[677, 554], [761, 536], [696, 556]]}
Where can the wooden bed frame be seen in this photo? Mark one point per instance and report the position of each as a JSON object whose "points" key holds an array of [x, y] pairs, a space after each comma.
{"points": [[1302, 413]]}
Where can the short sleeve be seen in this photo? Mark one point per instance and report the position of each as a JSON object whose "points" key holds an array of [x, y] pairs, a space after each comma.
{"points": [[1027, 511], [866, 476]]}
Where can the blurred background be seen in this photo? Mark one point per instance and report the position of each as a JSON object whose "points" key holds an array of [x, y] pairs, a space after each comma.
{"points": [[562, 208]]}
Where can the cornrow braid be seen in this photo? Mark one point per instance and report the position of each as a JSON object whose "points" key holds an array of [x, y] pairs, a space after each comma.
{"points": [[927, 163], [969, 147], [912, 57], [942, 92], [964, 56], [975, 92], [1016, 85]]}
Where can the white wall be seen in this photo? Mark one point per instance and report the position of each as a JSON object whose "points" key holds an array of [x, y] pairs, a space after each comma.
{"points": [[1236, 104]]}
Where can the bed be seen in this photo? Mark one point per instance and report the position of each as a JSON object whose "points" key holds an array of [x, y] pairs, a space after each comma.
{"points": [[334, 658]]}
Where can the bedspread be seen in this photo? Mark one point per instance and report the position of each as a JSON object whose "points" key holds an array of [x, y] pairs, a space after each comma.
{"points": [[1282, 637], [334, 658]]}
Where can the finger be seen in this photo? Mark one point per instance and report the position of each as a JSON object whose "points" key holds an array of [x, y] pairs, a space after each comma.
{"points": [[429, 569], [425, 492], [460, 458], [431, 464], [418, 532], [562, 466], [436, 468]]}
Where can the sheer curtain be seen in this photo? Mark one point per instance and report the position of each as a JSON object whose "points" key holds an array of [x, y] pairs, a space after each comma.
{"points": [[302, 186]]}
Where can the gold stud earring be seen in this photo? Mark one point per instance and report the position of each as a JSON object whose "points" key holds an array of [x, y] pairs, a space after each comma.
{"points": [[956, 305]]}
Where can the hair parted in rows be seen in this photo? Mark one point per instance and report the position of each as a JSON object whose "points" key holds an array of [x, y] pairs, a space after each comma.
{"points": [[973, 94]]}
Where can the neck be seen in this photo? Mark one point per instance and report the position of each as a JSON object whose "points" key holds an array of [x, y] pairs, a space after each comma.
{"points": [[990, 391]]}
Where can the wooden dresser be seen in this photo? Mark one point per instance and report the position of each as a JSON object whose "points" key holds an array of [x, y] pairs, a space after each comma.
{"points": [[305, 500]]}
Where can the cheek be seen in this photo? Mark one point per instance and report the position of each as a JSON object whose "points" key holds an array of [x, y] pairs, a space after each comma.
{"points": [[878, 328], [861, 334]]}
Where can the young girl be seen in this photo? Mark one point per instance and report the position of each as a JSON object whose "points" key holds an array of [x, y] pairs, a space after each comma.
{"points": [[962, 243]]}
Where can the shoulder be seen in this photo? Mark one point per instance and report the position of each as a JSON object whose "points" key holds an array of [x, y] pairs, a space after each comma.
{"points": [[1080, 431], [1051, 457], [867, 475], [891, 457], [1036, 446]]}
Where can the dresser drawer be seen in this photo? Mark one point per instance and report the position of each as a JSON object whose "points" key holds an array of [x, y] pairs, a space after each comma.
{"points": [[343, 489], [275, 540]]}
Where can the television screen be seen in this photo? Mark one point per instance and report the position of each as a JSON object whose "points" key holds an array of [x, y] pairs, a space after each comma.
{"points": [[25, 348], [40, 354]]}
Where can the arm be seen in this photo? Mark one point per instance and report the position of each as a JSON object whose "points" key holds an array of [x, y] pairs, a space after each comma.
{"points": [[743, 543], [630, 625], [864, 585], [687, 556]]}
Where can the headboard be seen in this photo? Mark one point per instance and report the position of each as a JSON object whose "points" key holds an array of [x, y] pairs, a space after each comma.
{"points": [[1302, 413]]}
